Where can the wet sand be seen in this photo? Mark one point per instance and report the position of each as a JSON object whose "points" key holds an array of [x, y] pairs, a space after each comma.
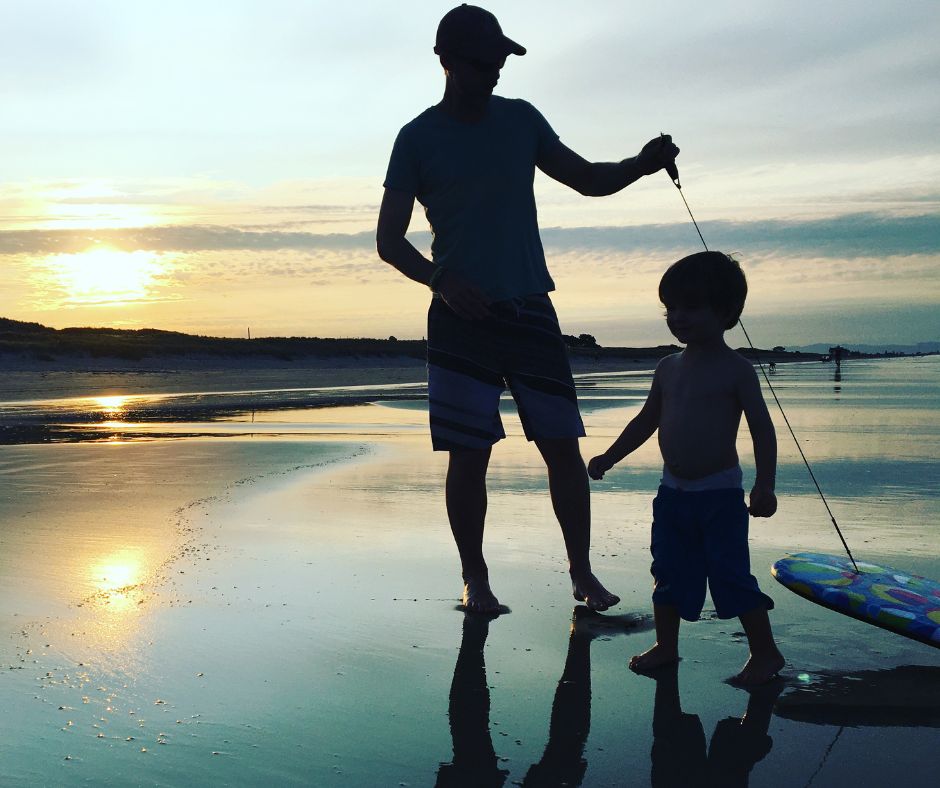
{"points": [[28, 379], [283, 609]]}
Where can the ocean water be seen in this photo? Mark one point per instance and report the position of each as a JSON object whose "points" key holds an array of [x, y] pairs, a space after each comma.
{"points": [[244, 588], [870, 434]]}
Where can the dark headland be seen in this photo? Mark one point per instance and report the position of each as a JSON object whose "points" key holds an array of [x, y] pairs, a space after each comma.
{"points": [[34, 346]]}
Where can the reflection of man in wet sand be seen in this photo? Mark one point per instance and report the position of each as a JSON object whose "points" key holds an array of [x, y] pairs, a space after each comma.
{"points": [[680, 758], [470, 161], [475, 763]]}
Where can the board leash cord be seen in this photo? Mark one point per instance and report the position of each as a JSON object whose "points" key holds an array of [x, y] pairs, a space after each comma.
{"points": [[673, 173]]}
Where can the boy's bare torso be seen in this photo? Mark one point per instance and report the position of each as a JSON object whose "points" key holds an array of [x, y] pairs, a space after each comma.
{"points": [[700, 411]]}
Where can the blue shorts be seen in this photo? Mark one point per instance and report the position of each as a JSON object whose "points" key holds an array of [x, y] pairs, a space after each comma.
{"points": [[699, 537], [471, 363]]}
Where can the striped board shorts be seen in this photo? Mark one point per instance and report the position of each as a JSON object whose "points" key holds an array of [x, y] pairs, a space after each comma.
{"points": [[471, 363]]}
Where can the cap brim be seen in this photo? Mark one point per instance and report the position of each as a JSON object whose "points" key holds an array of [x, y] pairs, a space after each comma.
{"points": [[498, 50], [513, 48], [493, 50]]}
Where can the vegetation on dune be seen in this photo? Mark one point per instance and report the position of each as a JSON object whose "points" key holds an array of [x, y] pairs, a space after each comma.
{"points": [[32, 340], [45, 343]]}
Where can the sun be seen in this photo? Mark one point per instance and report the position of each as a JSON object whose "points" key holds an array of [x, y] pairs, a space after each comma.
{"points": [[105, 276]]}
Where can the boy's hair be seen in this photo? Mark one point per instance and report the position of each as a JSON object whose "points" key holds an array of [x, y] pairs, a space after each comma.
{"points": [[706, 279]]}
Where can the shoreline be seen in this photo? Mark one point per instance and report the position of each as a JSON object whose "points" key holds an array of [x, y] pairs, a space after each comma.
{"points": [[131, 401], [199, 374]]}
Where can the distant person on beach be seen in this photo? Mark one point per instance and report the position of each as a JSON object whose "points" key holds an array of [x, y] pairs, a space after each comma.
{"points": [[700, 520], [470, 161]]}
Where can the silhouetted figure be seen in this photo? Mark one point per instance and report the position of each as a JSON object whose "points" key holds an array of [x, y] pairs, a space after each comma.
{"points": [[563, 761], [679, 755], [700, 519], [470, 161], [475, 764], [773, 367]]}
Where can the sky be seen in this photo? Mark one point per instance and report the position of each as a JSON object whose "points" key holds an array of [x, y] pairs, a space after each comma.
{"points": [[216, 167]]}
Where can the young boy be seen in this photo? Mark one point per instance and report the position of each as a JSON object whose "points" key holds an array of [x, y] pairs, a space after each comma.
{"points": [[700, 519]]}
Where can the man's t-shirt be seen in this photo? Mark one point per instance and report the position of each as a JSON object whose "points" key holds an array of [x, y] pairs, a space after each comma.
{"points": [[475, 183]]}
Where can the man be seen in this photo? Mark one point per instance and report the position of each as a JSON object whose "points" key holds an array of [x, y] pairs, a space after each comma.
{"points": [[470, 161]]}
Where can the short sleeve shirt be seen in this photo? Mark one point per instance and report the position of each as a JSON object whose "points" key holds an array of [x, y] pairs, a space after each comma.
{"points": [[475, 183]]}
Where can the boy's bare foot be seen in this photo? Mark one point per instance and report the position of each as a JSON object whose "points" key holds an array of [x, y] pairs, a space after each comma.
{"points": [[759, 670], [478, 597], [653, 658], [588, 589]]}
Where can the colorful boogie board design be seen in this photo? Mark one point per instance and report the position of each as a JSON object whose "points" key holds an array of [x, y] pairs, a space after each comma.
{"points": [[898, 601]]}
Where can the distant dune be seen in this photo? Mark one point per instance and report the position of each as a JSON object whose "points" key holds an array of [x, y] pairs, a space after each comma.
{"points": [[31, 345]]}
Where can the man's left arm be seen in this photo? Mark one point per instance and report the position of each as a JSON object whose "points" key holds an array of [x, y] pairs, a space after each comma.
{"points": [[598, 179]]}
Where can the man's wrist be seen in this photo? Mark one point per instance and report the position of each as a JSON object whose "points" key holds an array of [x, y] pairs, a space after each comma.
{"points": [[434, 281]]}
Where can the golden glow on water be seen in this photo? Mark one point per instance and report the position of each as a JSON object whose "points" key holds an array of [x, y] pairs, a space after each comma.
{"points": [[117, 580], [111, 406]]}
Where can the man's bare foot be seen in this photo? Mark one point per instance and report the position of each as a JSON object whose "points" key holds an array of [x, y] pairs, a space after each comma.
{"points": [[655, 657], [478, 597], [759, 670], [588, 589], [591, 624]]}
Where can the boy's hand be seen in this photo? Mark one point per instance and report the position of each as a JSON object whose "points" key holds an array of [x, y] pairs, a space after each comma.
{"points": [[763, 502], [598, 466]]}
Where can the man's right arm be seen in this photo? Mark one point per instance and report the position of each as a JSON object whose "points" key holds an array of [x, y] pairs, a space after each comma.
{"points": [[390, 241], [465, 298]]}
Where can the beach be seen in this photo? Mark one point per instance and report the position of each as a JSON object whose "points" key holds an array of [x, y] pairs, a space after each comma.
{"points": [[263, 589]]}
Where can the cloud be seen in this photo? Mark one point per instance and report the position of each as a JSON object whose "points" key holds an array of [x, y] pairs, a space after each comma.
{"points": [[749, 81], [852, 236], [192, 238], [855, 235]]}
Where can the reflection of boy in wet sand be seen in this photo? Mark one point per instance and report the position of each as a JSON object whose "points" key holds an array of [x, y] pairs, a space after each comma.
{"points": [[680, 758], [700, 520]]}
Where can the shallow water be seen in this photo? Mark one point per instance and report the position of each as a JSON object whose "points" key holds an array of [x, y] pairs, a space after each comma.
{"points": [[275, 604]]}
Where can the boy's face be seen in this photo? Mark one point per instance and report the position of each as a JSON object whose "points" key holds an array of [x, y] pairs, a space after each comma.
{"points": [[695, 324]]}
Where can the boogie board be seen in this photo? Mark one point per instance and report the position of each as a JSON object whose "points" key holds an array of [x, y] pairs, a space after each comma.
{"points": [[898, 601]]}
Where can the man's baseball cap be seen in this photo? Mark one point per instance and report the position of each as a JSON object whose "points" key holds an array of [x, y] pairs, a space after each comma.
{"points": [[473, 32]]}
